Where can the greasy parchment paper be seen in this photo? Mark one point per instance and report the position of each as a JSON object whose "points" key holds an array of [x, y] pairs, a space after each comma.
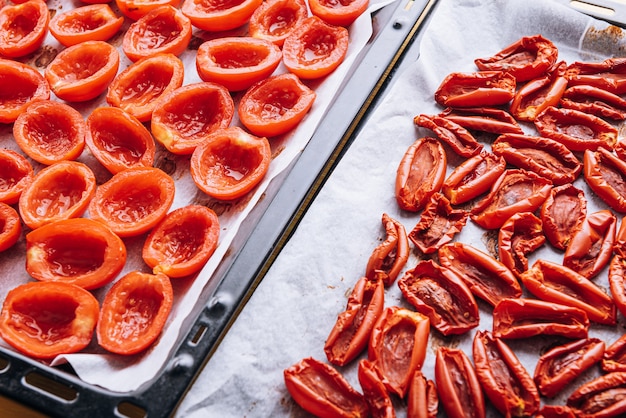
{"points": [[118, 373], [294, 308]]}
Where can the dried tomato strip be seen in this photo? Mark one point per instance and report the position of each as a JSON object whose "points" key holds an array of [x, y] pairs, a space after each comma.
{"points": [[609, 74], [460, 140], [374, 390], [535, 96], [473, 177], [595, 101], [602, 396], [483, 119], [476, 89], [562, 214], [390, 256], [614, 357], [519, 236], [617, 281], [606, 176], [423, 401]]}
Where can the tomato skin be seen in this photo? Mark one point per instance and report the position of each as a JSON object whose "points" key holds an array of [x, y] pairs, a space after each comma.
{"points": [[94, 22], [457, 385], [546, 157], [28, 309], [118, 140], [390, 256], [486, 277], [136, 9], [315, 49], [527, 58], [606, 176], [520, 235], [502, 376], [423, 401], [79, 251], [555, 411], [23, 27], [188, 115], [16, 173], [59, 191], [237, 62], [182, 242], [614, 357], [617, 281], [594, 100], [473, 177], [563, 214], [420, 174], [235, 150], [457, 137], [515, 191], [524, 318], [338, 13], [137, 88], [10, 226], [561, 365], [441, 295], [398, 330], [50, 131], [274, 20], [597, 398], [162, 30], [276, 105], [535, 96], [321, 390], [133, 201], [606, 75], [135, 295], [591, 248], [484, 119], [23, 85], [559, 284], [217, 16], [374, 390], [577, 130], [82, 72], [477, 89], [438, 224]]}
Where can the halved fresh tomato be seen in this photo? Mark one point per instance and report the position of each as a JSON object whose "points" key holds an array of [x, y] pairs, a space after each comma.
{"points": [[237, 62], [136, 9], [185, 117], [46, 319], [274, 20], [59, 191], [219, 15], [23, 27], [134, 312], [50, 131], [183, 242], [16, 173], [21, 84], [136, 88], [94, 22], [162, 30], [118, 140], [82, 72], [315, 48], [79, 251], [230, 163], [133, 201], [338, 12], [10, 226], [275, 105]]}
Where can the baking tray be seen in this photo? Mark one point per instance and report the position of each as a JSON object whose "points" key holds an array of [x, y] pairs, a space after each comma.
{"points": [[57, 391], [613, 11]]}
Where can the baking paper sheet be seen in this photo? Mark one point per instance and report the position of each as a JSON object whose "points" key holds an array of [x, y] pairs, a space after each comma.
{"points": [[294, 308], [118, 373]]}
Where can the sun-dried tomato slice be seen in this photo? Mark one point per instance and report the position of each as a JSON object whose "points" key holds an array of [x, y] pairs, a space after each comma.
{"points": [[562, 214], [605, 174], [519, 236], [390, 256]]}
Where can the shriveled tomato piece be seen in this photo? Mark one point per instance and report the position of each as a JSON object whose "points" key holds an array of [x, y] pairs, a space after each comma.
{"points": [[276, 105], [520, 235], [390, 256], [23, 27], [10, 226], [274, 20], [136, 9], [230, 163], [473, 177], [376, 394], [80, 251], [162, 30], [338, 12], [134, 312], [83, 71], [186, 116], [133, 201], [50, 131], [21, 84], [219, 15], [562, 214], [137, 88], [46, 319], [423, 401], [315, 48], [457, 384], [237, 62], [183, 241], [605, 174], [476, 89], [94, 22], [118, 140], [60, 191], [16, 173]]}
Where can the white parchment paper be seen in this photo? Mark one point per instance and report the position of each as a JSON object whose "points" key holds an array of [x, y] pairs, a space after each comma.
{"points": [[294, 308]]}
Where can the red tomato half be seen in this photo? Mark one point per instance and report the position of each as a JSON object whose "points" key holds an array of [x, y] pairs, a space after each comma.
{"points": [[136, 9], [10, 226], [21, 84], [339, 13], [16, 173], [134, 312], [46, 319], [23, 27], [274, 20], [94, 22], [219, 15]]}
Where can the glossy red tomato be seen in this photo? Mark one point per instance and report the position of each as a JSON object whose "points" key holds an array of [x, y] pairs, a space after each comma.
{"points": [[136, 9], [16, 173], [94, 22], [23, 27], [219, 15], [274, 20], [339, 13], [21, 84], [10, 226]]}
